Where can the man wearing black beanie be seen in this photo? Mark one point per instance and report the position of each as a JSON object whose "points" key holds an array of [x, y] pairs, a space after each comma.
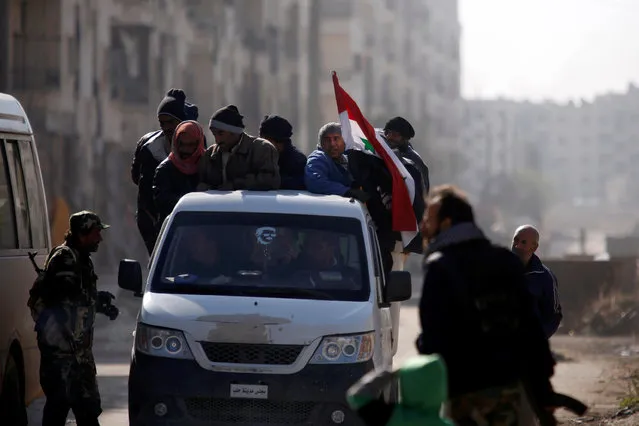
{"points": [[150, 151], [292, 162], [237, 160], [398, 132]]}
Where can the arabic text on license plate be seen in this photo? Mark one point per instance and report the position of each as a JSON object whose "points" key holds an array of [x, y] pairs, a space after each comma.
{"points": [[249, 391]]}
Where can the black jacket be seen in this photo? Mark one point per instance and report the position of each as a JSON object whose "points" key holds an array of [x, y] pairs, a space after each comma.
{"points": [[407, 151], [499, 345], [149, 153], [292, 163], [371, 173], [169, 185]]}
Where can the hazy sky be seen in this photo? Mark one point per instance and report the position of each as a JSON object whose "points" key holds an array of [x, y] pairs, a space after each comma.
{"points": [[556, 49]]}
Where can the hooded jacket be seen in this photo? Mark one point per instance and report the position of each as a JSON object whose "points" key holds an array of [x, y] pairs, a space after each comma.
{"points": [[422, 382]]}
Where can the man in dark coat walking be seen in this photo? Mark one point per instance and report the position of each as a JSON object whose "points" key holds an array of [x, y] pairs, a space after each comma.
{"points": [[476, 312]]}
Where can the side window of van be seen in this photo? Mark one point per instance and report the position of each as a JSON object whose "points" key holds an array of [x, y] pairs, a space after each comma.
{"points": [[20, 200], [35, 196], [8, 234], [377, 265]]}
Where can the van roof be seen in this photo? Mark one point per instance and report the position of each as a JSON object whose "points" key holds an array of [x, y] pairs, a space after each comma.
{"points": [[283, 201], [13, 119]]}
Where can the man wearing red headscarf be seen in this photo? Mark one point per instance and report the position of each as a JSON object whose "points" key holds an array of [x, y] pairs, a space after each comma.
{"points": [[178, 174]]}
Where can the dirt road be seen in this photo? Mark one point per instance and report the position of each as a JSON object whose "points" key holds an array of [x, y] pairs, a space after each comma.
{"points": [[597, 371]]}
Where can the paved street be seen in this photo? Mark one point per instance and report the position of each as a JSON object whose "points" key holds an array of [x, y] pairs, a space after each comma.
{"points": [[112, 350]]}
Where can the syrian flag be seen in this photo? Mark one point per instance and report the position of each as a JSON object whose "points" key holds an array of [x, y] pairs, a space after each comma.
{"points": [[359, 135]]}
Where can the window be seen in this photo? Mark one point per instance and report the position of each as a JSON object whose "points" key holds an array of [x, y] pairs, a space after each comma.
{"points": [[264, 255], [35, 196], [8, 236], [20, 200], [379, 268]]}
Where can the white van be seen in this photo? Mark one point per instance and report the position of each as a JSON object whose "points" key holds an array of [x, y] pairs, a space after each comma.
{"points": [[260, 308], [24, 227]]}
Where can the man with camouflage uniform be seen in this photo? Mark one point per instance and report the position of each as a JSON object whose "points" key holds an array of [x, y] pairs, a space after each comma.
{"points": [[64, 308]]}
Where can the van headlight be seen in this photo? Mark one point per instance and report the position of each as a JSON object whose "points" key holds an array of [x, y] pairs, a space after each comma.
{"points": [[161, 342], [344, 349]]}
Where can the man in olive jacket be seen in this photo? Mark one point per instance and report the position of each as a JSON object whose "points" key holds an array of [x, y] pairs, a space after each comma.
{"points": [[237, 160]]}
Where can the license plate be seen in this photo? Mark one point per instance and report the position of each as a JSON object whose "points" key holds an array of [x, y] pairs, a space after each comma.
{"points": [[249, 391]]}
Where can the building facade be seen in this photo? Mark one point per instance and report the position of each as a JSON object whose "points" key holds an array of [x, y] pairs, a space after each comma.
{"points": [[586, 152], [398, 57], [91, 73]]}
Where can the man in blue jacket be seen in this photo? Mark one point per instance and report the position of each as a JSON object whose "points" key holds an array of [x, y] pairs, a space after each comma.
{"points": [[327, 169], [542, 283]]}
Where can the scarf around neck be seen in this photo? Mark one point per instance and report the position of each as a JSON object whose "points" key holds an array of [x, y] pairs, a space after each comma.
{"points": [[189, 165]]}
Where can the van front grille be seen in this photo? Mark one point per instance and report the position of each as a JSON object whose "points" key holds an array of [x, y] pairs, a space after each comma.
{"points": [[249, 412], [242, 353]]}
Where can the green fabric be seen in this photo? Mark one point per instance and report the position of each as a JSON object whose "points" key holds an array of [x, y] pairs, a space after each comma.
{"points": [[423, 384]]}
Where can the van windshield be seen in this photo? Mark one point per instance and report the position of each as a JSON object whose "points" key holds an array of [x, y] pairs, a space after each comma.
{"points": [[264, 255]]}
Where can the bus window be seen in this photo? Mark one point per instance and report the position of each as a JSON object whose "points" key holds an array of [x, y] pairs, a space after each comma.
{"points": [[8, 236], [19, 195], [34, 194]]}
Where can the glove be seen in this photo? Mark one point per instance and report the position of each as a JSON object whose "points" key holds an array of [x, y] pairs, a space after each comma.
{"points": [[112, 312], [105, 297], [358, 194], [104, 305]]}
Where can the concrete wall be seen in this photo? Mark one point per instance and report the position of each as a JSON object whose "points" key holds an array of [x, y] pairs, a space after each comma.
{"points": [[582, 284]]}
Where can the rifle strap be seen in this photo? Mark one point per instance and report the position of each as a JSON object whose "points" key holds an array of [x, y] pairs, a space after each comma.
{"points": [[73, 254]]}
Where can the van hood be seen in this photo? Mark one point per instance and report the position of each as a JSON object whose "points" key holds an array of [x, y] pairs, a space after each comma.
{"points": [[254, 319]]}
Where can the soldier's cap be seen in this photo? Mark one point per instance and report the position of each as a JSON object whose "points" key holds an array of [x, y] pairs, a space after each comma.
{"points": [[85, 221]]}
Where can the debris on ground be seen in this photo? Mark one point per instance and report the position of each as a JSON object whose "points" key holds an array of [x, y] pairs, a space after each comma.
{"points": [[614, 315]]}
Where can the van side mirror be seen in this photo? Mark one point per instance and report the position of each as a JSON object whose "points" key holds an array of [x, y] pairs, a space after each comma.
{"points": [[399, 286], [130, 276]]}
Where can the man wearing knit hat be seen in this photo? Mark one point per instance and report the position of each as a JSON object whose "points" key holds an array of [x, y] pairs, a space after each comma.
{"points": [[151, 150], [278, 131], [398, 132], [237, 160]]}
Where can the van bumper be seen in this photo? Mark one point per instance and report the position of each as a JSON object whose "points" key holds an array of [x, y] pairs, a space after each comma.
{"points": [[196, 396]]}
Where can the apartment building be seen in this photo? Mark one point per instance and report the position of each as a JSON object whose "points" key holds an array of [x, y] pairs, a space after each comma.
{"points": [[586, 152], [90, 75], [399, 57]]}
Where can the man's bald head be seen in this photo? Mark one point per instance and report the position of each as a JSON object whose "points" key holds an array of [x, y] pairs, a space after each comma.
{"points": [[525, 242]]}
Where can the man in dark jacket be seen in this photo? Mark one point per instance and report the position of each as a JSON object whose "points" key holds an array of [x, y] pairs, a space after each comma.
{"points": [[542, 283], [151, 150], [476, 313], [398, 132], [278, 131]]}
